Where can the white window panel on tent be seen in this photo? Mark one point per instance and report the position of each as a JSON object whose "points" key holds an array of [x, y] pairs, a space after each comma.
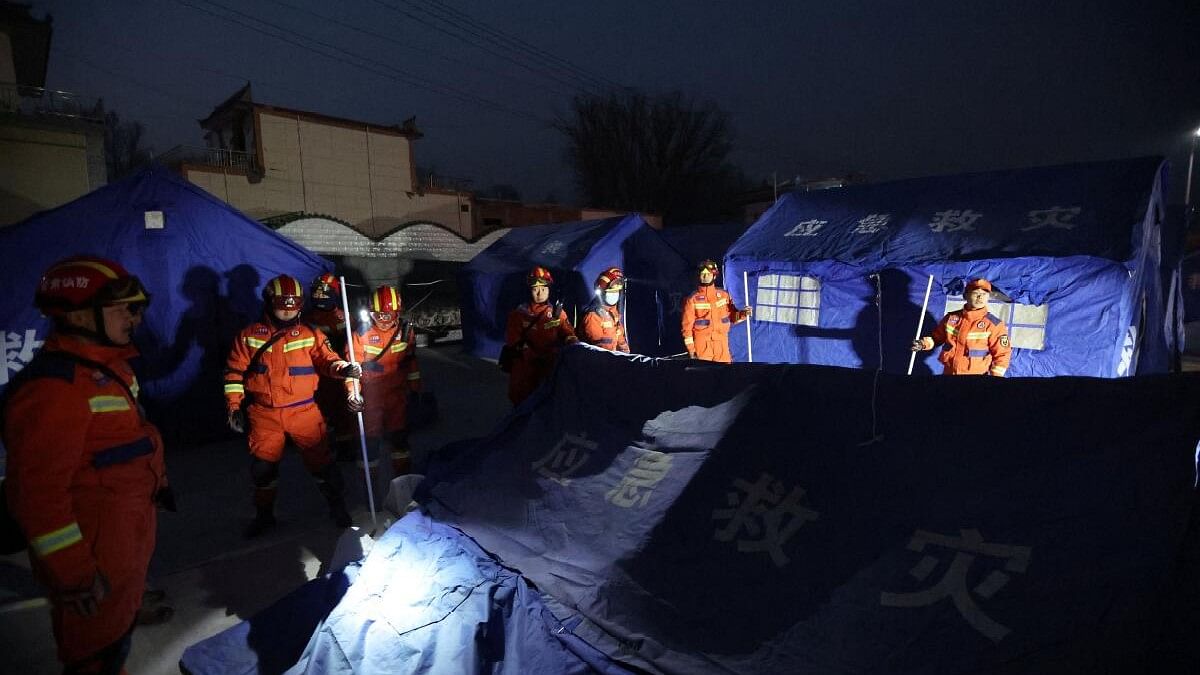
{"points": [[788, 298], [1026, 323]]}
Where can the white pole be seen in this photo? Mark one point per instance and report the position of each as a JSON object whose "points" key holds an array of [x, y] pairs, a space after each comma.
{"points": [[1187, 191], [746, 292], [912, 358], [362, 432]]}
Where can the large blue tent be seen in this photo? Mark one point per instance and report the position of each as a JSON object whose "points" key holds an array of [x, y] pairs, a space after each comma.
{"points": [[1077, 253], [493, 283], [203, 262]]}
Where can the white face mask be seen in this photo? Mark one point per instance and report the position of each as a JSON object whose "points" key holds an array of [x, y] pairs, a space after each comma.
{"points": [[612, 297]]}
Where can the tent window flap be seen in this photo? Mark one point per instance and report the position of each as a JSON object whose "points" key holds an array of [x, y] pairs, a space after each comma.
{"points": [[787, 298]]}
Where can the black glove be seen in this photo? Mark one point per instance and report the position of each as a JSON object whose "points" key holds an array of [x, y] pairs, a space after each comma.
{"points": [[237, 421], [165, 499], [350, 371], [355, 403]]}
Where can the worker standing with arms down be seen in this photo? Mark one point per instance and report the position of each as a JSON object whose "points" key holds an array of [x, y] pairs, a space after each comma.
{"points": [[708, 314], [85, 468], [974, 341], [274, 366]]}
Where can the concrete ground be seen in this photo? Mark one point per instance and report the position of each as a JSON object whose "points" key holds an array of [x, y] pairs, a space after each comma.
{"points": [[213, 577]]}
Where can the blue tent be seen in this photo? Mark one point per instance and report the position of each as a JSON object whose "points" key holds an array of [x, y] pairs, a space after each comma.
{"points": [[838, 277], [493, 283], [203, 262]]}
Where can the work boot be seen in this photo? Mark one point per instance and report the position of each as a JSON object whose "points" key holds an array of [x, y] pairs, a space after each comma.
{"points": [[401, 457], [261, 523], [264, 512], [329, 482]]}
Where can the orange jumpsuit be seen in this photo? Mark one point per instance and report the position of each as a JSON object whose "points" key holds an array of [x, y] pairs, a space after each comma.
{"points": [[602, 327], [708, 313], [281, 390], [83, 469], [390, 373], [974, 342], [544, 336], [331, 393]]}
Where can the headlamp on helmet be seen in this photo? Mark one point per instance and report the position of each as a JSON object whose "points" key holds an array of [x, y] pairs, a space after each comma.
{"points": [[539, 276]]}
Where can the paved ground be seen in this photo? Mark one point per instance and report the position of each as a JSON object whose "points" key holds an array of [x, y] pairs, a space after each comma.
{"points": [[213, 576]]}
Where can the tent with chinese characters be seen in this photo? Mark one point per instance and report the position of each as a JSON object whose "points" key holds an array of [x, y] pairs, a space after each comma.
{"points": [[203, 262], [493, 283], [789, 519], [1075, 252]]}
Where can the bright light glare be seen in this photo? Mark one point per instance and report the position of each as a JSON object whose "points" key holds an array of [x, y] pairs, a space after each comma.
{"points": [[1198, 131], [363, 316]]}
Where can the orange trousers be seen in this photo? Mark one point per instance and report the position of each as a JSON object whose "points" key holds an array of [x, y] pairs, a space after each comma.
{"points": [[271, 428]]}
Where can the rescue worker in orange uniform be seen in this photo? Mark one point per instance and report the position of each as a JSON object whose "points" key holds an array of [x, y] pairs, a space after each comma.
{"points": [[387, 350], [274, 366], [602, 323], [974, 341], [85, 468], [708, 314], [324, 312], [538, 330]]}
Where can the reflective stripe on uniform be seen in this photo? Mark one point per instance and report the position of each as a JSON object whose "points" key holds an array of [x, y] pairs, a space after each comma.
{"points": [[416, 375], [254, 343], [606, 324], [399, 347], [231, 388], [57, 540], [998, 370], [552, 324], [103, 404], [722, 302], [373, 351], [702, 305], [688, 341], [951, 330], [299, 344], [978, 336]]}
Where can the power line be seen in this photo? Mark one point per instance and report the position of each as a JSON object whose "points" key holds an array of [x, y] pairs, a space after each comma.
{"points": [[373, 66], [523, 45], [501, 54], [400, 44]]}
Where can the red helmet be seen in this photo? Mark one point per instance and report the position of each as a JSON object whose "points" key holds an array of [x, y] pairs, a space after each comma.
{"points": [[327, 283], [710, 265], [609, 277], [330, 291], [539, 276], [81, 282], [284, 293], [979, 283], [385, 306]]}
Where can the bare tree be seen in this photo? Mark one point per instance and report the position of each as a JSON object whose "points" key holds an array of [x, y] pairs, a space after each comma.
{"points": [[123, 149], [666, 155]]}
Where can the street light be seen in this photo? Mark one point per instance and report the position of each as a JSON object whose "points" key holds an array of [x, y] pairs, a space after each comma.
{"points": [[1187, 192]]}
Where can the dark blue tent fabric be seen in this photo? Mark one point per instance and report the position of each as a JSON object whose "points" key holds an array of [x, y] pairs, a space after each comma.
{"points": [[493, 283], [429, 600], [786, 519], [204, 268], [271, 641], [1042, 236]]}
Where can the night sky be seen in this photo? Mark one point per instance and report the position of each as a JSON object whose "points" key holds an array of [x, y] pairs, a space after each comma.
{"points": [[889, 89]]}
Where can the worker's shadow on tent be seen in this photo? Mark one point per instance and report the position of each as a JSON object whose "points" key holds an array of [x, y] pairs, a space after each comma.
{"points": [[204, 332], [900, 318]]}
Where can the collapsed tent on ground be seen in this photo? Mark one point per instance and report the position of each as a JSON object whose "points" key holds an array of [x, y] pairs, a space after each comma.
{"points": [[203, 262], [778, 519], [838, 277], [493, 283]]}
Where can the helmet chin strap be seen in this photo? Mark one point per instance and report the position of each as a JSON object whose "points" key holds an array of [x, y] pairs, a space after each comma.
{"points": [[709, 283], [280, 323], [99, 335]]}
